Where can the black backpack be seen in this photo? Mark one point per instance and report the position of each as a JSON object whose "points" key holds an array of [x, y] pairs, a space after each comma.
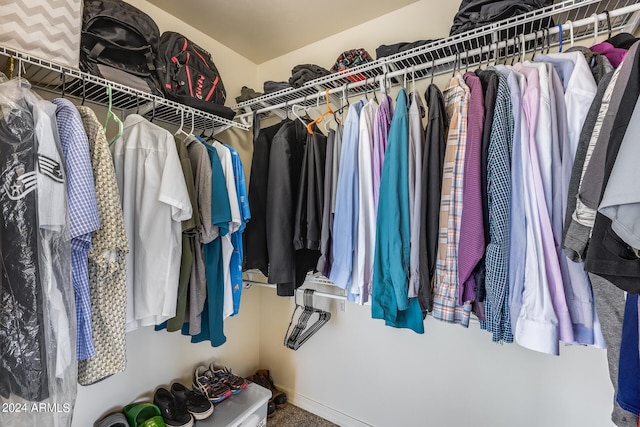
{"points": [[120, 43], [477, 13], [191, 77]]}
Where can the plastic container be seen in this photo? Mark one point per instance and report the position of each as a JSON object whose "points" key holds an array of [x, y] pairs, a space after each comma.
{"points": [[245, 409]]}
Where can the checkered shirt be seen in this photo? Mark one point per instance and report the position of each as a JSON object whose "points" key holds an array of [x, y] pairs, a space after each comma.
{"points": [[83, 215], [445, 301], [498, 320]]}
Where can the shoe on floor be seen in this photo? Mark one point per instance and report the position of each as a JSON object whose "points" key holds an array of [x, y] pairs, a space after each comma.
{"points": [[206, 384], [263, 377], [234, 382], [197, 405], [175, 414], [271, 408], [143, 415]]}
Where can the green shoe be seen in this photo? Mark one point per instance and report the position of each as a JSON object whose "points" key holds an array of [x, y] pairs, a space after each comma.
{"points": [[144, 415]]}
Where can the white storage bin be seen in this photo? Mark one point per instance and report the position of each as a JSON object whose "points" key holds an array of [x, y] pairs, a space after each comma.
{"points": [[245, 409], [48, 29]]}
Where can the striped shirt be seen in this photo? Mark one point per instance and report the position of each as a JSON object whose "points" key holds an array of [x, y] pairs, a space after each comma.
{"points": [[445, 302]]}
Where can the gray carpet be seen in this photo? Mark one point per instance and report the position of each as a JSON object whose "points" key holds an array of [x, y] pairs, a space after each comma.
{"points": [[292, 416]]}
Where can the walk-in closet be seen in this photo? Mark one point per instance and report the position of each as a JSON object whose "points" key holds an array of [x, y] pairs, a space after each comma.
{"points": [[360, 213]]}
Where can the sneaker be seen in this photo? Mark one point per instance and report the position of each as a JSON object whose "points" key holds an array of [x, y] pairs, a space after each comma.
{"points": [[263, 377], [234, 382], [197, 405], [174, 413], [206, 384]]}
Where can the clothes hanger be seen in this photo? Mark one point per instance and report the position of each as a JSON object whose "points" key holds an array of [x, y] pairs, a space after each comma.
{"points": [[596, 22], [516, 45], [300, 333], [606, 12], [433, 62], [375, 97], [413, 78], [560, 36], [153, 111], [111, 114], [84, 90], [455, 64], [64, 84], [180, 129], [329, 111], [298, 116], [193, 123], [466, 61], [548, 38]]}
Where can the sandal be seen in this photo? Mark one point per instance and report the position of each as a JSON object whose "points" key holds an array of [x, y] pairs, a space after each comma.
{"points": [[144, 415]]}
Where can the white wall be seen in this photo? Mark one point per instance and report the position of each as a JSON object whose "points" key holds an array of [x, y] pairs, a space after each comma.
{"points": [[355, 371], [158, 358]]}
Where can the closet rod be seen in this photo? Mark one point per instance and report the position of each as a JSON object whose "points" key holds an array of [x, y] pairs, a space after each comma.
{"points": [[48, 76], [627, 10], [315, 293]]}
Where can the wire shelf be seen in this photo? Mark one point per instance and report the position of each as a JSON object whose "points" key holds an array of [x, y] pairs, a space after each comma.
{"points": [[72, 83], [463, 50]]}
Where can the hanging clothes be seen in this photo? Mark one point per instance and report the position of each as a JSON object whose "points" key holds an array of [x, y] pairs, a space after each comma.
{"points": [[234, 225], [155, 201], [472, 243], [588, 129], [346, 216], [310, 197], [236, 238], [83, 215], [213, 313], [107, 263], [498, 320], [206, 232], [287, 267], [489, 81], [610, 303], [382, 123], [536, 327], [390, 285], [364, 247], [579, 231], [517, 219], [188, 236], [608, 255], [432, 170], [580, 92], [416, 147], [37, 320], [445, 302], [255, 236], [326, 256]]}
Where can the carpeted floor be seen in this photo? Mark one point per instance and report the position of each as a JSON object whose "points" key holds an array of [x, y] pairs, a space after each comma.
{"points": [[292, 416]]}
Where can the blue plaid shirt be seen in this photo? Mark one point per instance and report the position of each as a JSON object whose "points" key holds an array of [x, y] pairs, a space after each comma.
{"points": [[83, 215]]}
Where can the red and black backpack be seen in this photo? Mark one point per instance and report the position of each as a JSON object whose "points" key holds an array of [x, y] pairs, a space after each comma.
{"points": [[191, 76]]}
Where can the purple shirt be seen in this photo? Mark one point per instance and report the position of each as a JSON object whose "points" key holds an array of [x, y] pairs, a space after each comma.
{"points": [[615, 55], [381, 126], [471, 245]]}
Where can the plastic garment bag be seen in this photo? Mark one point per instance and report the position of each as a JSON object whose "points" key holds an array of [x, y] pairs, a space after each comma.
{"points": [[38, 369]]}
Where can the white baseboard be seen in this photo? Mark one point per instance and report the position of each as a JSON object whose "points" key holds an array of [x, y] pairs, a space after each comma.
{"points": [[308, 404]]}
